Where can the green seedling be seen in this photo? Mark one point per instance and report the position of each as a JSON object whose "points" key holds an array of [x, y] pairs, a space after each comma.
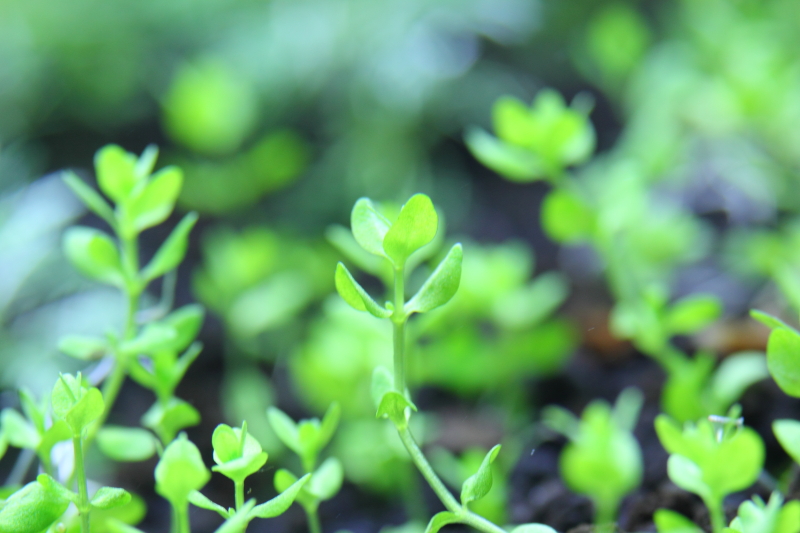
{"points": [[603, 460], [307, 438], [395, 241], [702, 457]]}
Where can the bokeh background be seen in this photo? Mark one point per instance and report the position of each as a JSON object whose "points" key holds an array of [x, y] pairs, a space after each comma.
{"points": [[283, 112]]}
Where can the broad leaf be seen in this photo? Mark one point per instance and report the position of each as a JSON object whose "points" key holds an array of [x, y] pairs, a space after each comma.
{"points": [[414, 228], [155, 201], [355, 295], [94, 254], [108, 498], [116, 172], [783, 360], [180, 471], [126, 444], [440, 286], [566, 217], [31, 509], [688, 476], [326, 480], [369, 227]]}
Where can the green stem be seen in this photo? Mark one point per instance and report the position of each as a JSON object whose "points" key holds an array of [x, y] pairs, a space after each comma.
{"points": [[83, 494], [314, 525], [604, 517], [717, 515], [427, 471], [239, 494], [181, 519], [398, 333]]}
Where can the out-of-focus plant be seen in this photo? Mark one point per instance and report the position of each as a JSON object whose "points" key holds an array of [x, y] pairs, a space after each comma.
{"points": [[603, 460]]}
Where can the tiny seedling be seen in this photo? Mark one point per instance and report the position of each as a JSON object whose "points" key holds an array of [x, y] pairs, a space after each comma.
{"points": [[602, 460]]}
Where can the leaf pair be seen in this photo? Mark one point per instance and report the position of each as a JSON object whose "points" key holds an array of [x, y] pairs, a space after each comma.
{"points": [[75, 403], [237, 453], [269, 509], [306, 438]]}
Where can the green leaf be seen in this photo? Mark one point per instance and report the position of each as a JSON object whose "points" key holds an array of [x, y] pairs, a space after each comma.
{"points": [[17, 431], [329, 423], [783, 360], [381, 384], [513, 162], [155, 201], [167, 420], [186, 321], [393, 406], [414, 228], [58, 432], [734, 375], [94, 254], [237, 523], [769, 320], [440, 286], [355, 295], [531, 305], [146, 162], [369, 227], [280, 503], [88, 409], [236, 459], [32, 509], [198, 499], [326, 480], [83, 347], [693, 313], [116, 172], [285, 428], [76, 404], [90, 198], [180, 471], [284, 479], [513, 121], [668, 521], [440, 520], [533, 528], [108, 498], [788, 434], [51, 485], [687, 475], [478, 484], [126, 444], [566, 217], [117, 526], [154, 337], [172, 251]]}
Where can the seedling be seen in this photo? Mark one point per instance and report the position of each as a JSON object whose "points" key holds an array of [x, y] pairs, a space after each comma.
{"points": [[703, 456], [603, 460]]}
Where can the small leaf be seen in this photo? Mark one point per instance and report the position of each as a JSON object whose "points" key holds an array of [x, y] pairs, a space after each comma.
{"points": [[283, 480], [17, 431], [153, 204], [51, 485], [285, 428], [116, 172], [369, 227], [414, 228], [783, 349], [381, 384], [440, 286], [478, 484], [440, 520], [31, 509], [533, 528], [88, 409], [154, 337], [769, 320], [393, 406], [566, 217], [693, 313], [668, 521], [167, 420], [280, 503], [326, 481], [89, 197], [329, 423], [83, 347], [146, 162], [198, 499], [94, 254], [126, 444], [788, 434], [172, 251], [512, 162], [180, 471], [687, 475], [355, 295], [108, 498], [237, 523]]}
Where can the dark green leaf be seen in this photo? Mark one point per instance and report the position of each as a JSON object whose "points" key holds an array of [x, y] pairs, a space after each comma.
{"points": [[440, 286]]}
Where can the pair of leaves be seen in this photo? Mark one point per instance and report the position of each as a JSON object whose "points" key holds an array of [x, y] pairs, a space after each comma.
{"points": [[306, 438], [167, 419], [75, 403], [237, 453], [323, 483]]}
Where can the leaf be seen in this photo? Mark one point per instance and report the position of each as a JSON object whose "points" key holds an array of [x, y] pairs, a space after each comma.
{"points": [[126, 444], [285, 428], [687, 475], [440, 520], [108, 498], [17, 431], [89, 197], [94, 254], [393, 406], [198, 499], [31, 509], [154, 337], [355, 295], [187, 322], [167, 420], [180, 471], [146, 162], [414, 228], [88, 409], [369, 227], [734, 375], [530, 305], [280, 503], [769, 320], [440, 286], [156, 200], [242, 467], [668, 521], [513, 121], [83, 347], [172, 251], [566, 217], [283, 480], [51, 485], [533, 528], [381, 384], [783, 360], [692, 313], [326, 480], [512, 162], [478, 484], [238, 522], [788, 434], [116, 172]]}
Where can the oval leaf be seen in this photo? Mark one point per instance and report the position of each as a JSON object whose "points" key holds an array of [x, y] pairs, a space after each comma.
{"points": [[94, 254], [280, 503], [32, 509], [783, 360], [369, 227], [116, 172], [440, 286], [126, 444], [155, 200], [479, 484], [172, 251], [414, 228], [788, 434], [108, 498], [393, 406], [355, 295]]}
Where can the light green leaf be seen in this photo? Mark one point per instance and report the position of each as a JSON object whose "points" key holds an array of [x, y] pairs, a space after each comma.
{"points": [[32, 509], [440, 286], [146, 162], [17, 431], [369, 227], [687, 475], [94, 254], [51, 485], [326, 480], [769, 320], [393, 406], [198, 499], [154, 337], [186, 321], [126, 444], [788, 434], [355, 295], [88, 409], [783, 360], [533, 528], [285, 428], [414, 228], [280, 503], [154, 202], [240, 468], [108, 498], [532, 304], [478, 484], [734, 375], [172, 251], [167, 420], [668, 521], [116, 172], [83, 347], [381, 384], [566, 217], [180, 471], [283, 480], [513, 121], [440, 520], [237, 523], [692, 313], [90, 198], [513, 162]]}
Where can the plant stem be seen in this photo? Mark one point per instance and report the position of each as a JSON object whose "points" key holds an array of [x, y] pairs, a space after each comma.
{"points": [[427, 471], [314, 525], [604, 516], [181, 518], [239, 494], [398, 332], [83, 494], [717, 515]]}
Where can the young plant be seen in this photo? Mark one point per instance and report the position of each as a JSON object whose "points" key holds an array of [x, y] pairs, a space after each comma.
{"points": [[603, 459], [396, 242], [307, 438], [712, 459]]}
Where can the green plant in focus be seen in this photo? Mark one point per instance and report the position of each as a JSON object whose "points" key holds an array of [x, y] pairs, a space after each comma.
{"points": [[603, 460]]}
